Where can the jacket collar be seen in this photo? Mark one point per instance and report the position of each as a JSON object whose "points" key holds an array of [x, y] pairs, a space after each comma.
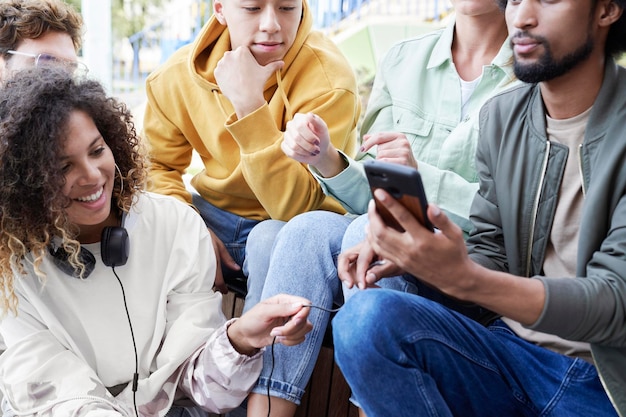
{"points": [[442, 52], [603, 110]]}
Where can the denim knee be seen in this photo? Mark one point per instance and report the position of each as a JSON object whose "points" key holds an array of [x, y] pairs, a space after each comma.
{"points": [[355, 233], [230, 228], [316, 230], [381, 314], [303, 263], [358, 321], [262, 237], [258, 256]]}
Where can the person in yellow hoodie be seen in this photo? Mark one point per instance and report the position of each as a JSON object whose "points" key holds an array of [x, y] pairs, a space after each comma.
{"points": [[228, 96]]}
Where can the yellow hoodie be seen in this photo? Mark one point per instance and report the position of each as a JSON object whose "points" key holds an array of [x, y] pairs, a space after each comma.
{"points": [[245, 171]]}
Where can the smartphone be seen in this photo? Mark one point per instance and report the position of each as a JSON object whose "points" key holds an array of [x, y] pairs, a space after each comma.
{"points": [[404, 184]]}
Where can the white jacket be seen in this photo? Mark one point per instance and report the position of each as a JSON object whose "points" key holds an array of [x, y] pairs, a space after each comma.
{"points": [[71, 338]]}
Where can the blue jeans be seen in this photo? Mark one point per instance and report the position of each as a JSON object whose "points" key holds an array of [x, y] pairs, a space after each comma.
{"points": [[248, 241], [303, 262], [405, 355], [230, 228], [259, 249]]}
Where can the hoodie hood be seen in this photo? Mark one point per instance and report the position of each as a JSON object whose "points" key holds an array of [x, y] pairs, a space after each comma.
{"points": [[214, 40], [245, 170]]}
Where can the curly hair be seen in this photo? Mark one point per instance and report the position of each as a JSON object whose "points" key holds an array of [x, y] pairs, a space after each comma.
{"points": [[616, 39], [35, 107], [30, 19]]}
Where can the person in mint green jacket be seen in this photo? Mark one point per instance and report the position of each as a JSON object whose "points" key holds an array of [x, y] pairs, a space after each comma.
{"points": [[422, 112]]}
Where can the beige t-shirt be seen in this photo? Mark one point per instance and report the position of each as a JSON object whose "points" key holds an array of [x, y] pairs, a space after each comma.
{"points": [[562, 248]]}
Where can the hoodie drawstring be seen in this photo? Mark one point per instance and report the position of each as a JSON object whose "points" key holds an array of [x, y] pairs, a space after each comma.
{"points": [[216, 93], [283, 95]]}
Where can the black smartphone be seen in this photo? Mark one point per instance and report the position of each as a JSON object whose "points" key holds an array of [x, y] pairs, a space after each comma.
{"points": [[404, 184]]}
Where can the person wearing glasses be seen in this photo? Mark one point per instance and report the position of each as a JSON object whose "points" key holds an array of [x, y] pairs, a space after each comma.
{"points": [[36, 33], [39, 33], [43, 60]]}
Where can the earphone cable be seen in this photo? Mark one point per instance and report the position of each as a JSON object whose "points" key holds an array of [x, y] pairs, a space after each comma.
{"points": [[328, 310], [269, 380], [132, 335]]}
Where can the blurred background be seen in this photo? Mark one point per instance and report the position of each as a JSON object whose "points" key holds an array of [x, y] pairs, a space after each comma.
{"points": [[125, 40]]}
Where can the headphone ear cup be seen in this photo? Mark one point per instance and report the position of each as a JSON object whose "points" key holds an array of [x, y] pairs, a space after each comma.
{"points": [[61, 259], [114, 246]]}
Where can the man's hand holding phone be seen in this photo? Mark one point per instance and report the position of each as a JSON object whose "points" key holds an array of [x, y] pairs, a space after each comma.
{"points": [[404, 184], [364, 264], [438, 259]]}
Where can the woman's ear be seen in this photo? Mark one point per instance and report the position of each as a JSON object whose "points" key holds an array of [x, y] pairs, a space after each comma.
{"points": [[218, 7]]}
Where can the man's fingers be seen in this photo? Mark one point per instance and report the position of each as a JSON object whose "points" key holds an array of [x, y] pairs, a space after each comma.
{"points": [[404, 217]]}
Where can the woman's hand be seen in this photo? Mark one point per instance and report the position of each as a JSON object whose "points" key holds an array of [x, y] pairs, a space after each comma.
{"points": [[282, 316], [392, 147], [362, 267]]}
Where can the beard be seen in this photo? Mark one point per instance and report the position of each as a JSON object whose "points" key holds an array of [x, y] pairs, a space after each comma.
{"points": [[547, 67]]}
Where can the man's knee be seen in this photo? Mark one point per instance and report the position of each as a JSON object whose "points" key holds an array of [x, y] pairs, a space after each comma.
{"points": [[381, 314], [359, 319]]}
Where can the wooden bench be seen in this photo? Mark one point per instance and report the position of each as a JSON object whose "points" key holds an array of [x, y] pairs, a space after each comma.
{"points": [[327, 394]]}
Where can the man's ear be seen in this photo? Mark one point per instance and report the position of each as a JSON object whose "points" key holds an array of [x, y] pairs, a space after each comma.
{"points": [[609, 12], [218, 7]]}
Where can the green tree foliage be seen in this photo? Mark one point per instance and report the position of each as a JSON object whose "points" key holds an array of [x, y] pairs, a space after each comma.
{"points": [[128, 16], [75, 3]]}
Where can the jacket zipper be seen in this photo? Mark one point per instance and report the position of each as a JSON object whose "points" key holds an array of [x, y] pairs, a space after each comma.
{"points": [[580, 169], [536, 209]]}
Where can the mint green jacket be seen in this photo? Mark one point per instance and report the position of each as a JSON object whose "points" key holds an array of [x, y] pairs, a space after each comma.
{"points": [[417, 92]]}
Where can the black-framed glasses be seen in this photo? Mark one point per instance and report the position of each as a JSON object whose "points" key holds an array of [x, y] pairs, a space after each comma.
{"points": [[46, 60]]}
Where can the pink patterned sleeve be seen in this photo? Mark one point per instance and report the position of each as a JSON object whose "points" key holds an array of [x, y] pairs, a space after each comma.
{"points": [[217, 377]]}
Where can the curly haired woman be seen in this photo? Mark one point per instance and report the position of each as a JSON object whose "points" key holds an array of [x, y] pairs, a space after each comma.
{"points": [[106, 289]]}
